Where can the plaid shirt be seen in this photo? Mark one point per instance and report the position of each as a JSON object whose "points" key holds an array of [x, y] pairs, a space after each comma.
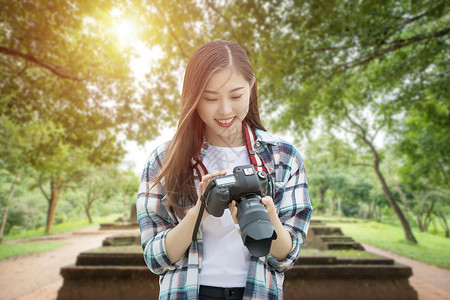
{"points": [[266, 274]]}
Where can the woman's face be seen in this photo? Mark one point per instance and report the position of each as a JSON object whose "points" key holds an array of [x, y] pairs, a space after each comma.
{"points": [[223, 106]]}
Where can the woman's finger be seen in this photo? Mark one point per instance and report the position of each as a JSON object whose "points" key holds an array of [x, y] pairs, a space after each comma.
{"points": [[233, 210], [206, 179]]}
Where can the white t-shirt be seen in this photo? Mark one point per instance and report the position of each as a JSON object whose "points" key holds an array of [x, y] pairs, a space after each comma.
{"points": [[225, 258]]}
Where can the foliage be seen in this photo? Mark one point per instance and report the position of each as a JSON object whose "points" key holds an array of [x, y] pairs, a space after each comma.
{"points": [[28, 210]]}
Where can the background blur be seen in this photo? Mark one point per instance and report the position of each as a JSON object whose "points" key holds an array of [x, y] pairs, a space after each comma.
{"points": [[89, 88]]}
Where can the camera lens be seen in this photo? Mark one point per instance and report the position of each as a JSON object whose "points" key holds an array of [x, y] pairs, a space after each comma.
{"points": [[257, 232]]}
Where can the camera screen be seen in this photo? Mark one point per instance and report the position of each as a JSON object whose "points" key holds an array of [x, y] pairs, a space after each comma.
{"points": [[225, 180]]}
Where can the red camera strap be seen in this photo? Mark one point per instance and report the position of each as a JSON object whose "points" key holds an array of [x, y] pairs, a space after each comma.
{"points": [[250, 138]]}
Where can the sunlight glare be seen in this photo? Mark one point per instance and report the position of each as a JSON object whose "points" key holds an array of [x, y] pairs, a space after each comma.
{"points": [[125, 31]]}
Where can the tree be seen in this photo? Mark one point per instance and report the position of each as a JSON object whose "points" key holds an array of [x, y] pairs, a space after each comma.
{"points": [[126, 185], [15, 144], [65, 75]]}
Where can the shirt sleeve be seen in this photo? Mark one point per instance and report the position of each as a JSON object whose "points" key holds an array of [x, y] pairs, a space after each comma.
{"points": [[293, 203], [155, 220]]}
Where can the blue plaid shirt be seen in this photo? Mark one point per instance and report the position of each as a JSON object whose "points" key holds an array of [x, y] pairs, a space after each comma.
{"points": [[266, 274]]}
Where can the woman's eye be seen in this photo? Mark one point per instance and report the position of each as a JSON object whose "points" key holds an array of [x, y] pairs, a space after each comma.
{"points": [[210, 99], [237, 97]]}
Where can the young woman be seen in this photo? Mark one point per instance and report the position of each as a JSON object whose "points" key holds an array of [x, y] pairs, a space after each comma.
{"points": [[219, 128]]}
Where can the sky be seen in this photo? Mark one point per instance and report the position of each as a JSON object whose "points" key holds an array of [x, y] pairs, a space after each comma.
{"points": [[136, 156]]}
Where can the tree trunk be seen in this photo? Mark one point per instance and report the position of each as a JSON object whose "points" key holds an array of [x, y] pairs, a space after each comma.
{"points": [[52, 202], [370, 212], [5, 210], [2, 228], [419, 224], [406, 228], [339, 208], [387, 192], [427, 219], [87, 209], [332, 206], [444, 223], [379, 214], [322, 198]]}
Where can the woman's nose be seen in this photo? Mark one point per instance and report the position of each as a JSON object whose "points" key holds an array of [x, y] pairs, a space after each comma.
{"points": [[225, 107]]}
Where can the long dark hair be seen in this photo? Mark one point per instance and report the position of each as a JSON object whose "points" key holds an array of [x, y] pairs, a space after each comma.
{"points": [[208, 59]]}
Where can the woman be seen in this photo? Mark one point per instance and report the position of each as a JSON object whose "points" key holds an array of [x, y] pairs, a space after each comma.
{"points": [[219, 128]]}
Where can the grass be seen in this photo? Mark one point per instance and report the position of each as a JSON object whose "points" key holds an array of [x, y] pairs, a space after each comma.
{"points": [[9, 250], [431, 249], [61, 228]]}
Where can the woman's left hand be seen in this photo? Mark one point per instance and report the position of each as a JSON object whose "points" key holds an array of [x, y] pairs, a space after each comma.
{"points": [[267, 201], [233, 210]]}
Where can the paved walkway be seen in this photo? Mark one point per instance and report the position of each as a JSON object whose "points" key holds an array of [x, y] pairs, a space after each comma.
{"points": [[36, 276], [430, 282]]}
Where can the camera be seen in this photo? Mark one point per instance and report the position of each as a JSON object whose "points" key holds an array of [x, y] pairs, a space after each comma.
{"points": [[247, 186]]}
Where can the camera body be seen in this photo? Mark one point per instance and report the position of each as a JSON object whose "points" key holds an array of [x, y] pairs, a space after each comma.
{"points": [[247, 186], [244, 181]]}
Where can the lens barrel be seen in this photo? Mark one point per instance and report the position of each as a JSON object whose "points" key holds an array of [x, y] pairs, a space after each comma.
{"points": [[257, 231]]}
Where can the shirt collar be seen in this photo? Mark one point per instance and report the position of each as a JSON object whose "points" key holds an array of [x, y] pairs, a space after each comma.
{"points": [[251, 138], [265, 137]]}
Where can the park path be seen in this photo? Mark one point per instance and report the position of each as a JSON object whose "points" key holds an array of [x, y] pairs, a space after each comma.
{"points": [[430, 282], [36, 276]]}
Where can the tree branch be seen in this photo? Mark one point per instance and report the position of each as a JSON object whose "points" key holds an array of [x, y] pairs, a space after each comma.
{"points": [[169, 27], [24, 69], [394, 45], [378, 129], [348, 130], [363, 131], [233, 32], [33, 59]]}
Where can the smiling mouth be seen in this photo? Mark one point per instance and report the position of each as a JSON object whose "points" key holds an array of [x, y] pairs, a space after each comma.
{"points": [[225, 122]]}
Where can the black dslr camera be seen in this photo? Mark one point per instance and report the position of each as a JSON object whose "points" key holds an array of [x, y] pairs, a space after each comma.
{"points": [[246, 186]]}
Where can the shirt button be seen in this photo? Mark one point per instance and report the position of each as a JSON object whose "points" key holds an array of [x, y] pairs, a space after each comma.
{"points": [[271, 169], [258, 144]]}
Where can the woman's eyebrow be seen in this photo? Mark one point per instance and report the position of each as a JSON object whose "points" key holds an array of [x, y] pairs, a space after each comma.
{"points": [[233, 90]]}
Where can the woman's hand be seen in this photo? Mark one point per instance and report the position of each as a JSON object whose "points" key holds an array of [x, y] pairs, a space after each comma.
{"points": [[201, 189], [177, 241], [233, 210], [267, 201]]}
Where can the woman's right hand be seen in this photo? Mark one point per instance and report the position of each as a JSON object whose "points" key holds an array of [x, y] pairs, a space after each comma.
{"points": [[201, 189], [177, 241]]}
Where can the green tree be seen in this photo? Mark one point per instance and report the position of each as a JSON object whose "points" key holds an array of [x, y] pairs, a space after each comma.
{"points": [[66, 76]]}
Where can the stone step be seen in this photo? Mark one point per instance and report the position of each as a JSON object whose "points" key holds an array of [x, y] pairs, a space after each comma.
{"points": [[137, 259], [310, 281], [350, 271], [122, 241], [343, 245], [110, 259], [325, 230], [316, 222], [333, 260], [349, 282], [109, 226], [335, 238]]}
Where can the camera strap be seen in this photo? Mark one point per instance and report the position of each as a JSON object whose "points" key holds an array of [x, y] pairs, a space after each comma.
{"points": [[199, 219], [201, 211]]}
